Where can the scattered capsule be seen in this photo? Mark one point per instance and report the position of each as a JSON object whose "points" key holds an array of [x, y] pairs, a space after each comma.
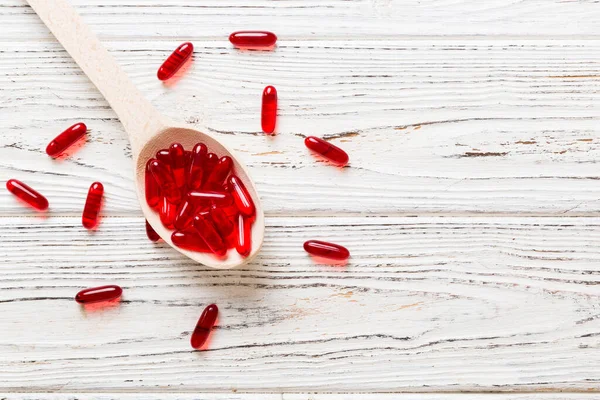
{"points": [[27, 194], [98, 294], [204, 326], [327, 150], [93, 203], [208, 232], [253, 39], [241, 197], [175, 61], [177, 155], [222, 221], [220, 171], [244, 236], [190, 241], [66, 139], [268, 115], [151, 233], [195, 172], [206, 197], [151, 188], [327, 250], [167, 213], [185, 213], [165, 181]]}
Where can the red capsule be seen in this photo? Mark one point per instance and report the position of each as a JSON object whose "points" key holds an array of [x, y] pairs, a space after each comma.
{"points": [[210, 162], [244, 235], [222, 221], [195, 172], [241, 197], [167, 212], [151, 233], [66, 139], [151, 188], [268, 115], [327, 250], [93, 203], [185, 213], [27, 194], [175, 61], [253, 39], [165, 181], [208, 232], [327, 150], [204, 326], [190, 240], [98, 294], [220, 171], [165, 156], [177, 155], [205, 197]]}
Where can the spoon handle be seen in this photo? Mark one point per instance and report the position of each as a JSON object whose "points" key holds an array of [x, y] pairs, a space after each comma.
{"points": [[136, 113]]}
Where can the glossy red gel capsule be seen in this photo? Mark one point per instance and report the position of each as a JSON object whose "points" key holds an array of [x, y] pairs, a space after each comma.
{"points": [[208, 232], [185, 213], [27, 194], [244, 235], [175, 61], [326, 249], [165, 181], [327, 150], [220, 171], [98, 294], [93, 203], [210, 162], [66, 139], [165, 156], [151, 233], [268, 115], [204, 326], [205, 197], [253, 39], [190, 240], [222, 221], [151, 188], [241, 197], [195, 171], [167, 213], [177, 154]]}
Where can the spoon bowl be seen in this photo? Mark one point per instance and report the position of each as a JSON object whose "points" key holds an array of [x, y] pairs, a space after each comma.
{"points": [[188, 137], [148, 130]]}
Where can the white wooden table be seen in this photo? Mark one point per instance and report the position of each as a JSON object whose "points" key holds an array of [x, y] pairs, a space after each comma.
{"points": [[470, 206]]}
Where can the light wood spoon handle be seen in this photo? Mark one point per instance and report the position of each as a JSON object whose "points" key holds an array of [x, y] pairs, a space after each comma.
{"points": [[136, 113]]}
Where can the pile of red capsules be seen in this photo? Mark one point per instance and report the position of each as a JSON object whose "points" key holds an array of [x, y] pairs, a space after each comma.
{"points": [[193, 192]]}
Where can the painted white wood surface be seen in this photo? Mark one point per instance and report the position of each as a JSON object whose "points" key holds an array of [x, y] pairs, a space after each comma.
{"points": [[299, 396], [434, 127], [318, 19], [424, 304], [480, 118]]}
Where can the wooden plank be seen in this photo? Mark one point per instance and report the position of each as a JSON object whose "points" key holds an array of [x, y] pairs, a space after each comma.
{"points": [[425, 304], [433, 126], [314, 19], [297, 396]]}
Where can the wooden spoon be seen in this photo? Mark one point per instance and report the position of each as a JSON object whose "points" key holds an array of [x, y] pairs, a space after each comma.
{"points": [[148, 130]]}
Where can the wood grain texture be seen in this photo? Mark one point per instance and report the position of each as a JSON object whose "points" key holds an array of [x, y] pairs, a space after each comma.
{"points": [[480, 118], [298, 396], [431, 127], [318, 19], [426, 304]]}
